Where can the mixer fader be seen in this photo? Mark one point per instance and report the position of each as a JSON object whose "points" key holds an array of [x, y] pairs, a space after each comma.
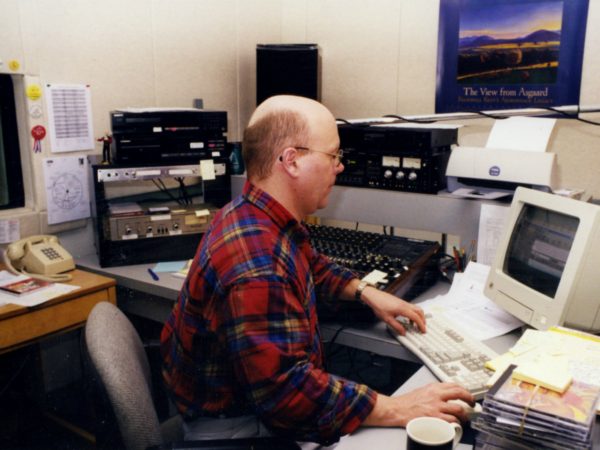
{"points": [[402, 261]]}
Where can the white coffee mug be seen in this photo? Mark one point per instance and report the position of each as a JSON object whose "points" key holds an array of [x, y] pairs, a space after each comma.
{"points": [[432, 433]]}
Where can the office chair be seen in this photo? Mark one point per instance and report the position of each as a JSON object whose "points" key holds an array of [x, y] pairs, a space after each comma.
{"points": [[123, 375]]}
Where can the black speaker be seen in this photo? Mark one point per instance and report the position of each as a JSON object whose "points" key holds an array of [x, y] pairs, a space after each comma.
{"points": [[287, 69]]}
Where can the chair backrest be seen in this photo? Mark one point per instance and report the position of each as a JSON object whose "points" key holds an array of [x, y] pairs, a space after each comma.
{"points": [[118, 356]]}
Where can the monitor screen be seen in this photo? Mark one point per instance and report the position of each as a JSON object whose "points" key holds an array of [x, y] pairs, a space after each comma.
{"points": [[539, 247], [12, 194]]}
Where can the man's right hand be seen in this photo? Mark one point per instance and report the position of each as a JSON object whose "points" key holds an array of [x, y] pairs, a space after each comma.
{"points": [[430, 400]]}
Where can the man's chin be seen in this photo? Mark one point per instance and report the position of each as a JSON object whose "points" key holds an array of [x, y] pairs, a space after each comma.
{"points": [[323, 203], [325, 200]]}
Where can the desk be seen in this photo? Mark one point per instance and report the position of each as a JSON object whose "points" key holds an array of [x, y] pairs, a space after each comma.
{"points": [[161, 294], [20, 326], [383, 438], [395, 438]]}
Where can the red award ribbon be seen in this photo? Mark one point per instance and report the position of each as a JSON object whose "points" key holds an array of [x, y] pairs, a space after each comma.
{"points": [[38, 133]]}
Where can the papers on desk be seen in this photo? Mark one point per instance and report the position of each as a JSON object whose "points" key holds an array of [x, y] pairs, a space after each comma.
{"points": [[576, 352], [467, 306], [178, 269], [35, 297], [475, 193]]}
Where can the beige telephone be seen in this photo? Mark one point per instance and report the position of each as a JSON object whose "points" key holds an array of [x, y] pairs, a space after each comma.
{"points": [[40, 257]]}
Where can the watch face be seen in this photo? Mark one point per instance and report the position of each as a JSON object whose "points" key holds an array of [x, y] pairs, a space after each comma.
{"points": [[361, 287]]}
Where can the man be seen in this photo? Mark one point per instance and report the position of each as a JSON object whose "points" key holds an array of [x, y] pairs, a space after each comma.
{"points": [[242, 347]]}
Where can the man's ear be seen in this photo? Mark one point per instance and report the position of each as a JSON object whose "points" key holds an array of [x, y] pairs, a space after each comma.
{"points": [[288, 160]]}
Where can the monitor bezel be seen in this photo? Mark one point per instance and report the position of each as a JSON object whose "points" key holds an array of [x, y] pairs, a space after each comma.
{"points": [[529, 305]]}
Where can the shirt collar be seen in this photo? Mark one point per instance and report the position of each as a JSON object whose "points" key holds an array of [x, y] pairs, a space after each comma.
{"points": [[281, 216]]}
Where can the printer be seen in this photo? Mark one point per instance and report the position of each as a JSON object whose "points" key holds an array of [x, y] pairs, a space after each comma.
{"points": [[515, 155], [499, 170]]}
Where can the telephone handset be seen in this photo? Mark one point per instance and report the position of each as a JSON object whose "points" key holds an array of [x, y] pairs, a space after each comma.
{"points": [[40, 257]]}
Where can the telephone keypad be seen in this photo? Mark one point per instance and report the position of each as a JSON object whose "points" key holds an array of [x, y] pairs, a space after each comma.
{"points": [[50, 253]]}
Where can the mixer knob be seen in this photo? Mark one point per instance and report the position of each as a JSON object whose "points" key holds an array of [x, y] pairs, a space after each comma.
{"points": [[400, 175], [387, 174], [412, 176]]}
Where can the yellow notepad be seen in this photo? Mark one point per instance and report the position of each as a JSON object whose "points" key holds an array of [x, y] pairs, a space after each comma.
{"points": [[550, 373], [552, 358]]}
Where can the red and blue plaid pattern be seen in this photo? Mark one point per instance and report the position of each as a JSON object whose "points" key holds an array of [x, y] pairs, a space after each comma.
{"points": [[244, 337]]}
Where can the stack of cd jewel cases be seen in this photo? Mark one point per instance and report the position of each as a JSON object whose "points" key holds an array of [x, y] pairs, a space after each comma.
{"points": [[520, 415]]}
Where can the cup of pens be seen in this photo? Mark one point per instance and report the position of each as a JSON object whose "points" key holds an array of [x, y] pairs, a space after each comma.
{"points": [[462, 257]]}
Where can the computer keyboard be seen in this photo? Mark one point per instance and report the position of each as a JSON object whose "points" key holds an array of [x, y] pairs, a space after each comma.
{"points": [[451, 355]]}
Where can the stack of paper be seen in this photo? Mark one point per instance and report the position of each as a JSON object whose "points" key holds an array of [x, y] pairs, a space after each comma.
{"points": [[467, 306], [26, 292], [176, 268]]}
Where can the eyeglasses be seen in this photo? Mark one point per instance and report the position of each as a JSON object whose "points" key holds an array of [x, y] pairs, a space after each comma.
{"points": [[336, 157]]}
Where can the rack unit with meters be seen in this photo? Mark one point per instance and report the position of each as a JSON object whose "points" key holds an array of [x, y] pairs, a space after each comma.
{"points": [[155, 213]]}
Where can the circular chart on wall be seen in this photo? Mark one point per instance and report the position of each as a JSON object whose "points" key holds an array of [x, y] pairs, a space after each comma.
{"points": [[67, 191]]}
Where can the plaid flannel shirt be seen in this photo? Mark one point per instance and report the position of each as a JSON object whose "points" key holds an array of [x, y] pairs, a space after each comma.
{"points": [[243, 336]]}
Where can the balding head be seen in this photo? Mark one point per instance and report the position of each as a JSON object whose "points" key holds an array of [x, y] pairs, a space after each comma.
{"points": [[279, 122]]}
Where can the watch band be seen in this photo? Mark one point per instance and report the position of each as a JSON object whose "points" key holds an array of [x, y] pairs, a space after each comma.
{"points": [[359, 290]]}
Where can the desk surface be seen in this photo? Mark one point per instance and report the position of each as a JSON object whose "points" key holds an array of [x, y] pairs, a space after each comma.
{"points": [[373, 337], [162, 294], [21, 325], [384, 438]]}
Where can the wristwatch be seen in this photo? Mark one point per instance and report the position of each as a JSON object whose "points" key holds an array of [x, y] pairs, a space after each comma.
{"points": [[359, 290]]}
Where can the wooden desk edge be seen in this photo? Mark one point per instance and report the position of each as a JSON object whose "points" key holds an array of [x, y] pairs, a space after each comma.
{"points": [[21, 325], [87, 282]]}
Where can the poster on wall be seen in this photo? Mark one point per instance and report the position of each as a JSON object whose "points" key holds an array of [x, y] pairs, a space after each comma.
{"points": [[508, 54]]}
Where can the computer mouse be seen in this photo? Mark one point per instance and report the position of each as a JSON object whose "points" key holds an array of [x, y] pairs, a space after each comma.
{"points": [[471, 411]]}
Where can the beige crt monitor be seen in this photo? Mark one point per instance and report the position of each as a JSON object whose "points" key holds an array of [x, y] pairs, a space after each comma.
{"points": [[547, 266]]}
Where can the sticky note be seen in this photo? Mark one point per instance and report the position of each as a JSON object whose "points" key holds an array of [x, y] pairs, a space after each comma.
{"points": [[548, 373], [202, 212], [374, 277], [207, 169]]}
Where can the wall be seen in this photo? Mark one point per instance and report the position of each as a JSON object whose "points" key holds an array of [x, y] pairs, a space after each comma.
{"points": [[379, 57]]}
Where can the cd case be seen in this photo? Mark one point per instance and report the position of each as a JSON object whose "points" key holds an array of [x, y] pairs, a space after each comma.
{"points": [[25, 286], [520, 412], [575, 408]]}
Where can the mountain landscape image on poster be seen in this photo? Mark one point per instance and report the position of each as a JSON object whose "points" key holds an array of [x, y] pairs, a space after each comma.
{"points": [[510, 43]]}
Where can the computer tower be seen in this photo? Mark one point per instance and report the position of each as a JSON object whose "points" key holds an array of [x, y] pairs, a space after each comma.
{"points": [[287, 69]]}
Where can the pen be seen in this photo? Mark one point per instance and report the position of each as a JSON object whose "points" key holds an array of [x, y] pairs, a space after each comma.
{"points": [[153, 274]]}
